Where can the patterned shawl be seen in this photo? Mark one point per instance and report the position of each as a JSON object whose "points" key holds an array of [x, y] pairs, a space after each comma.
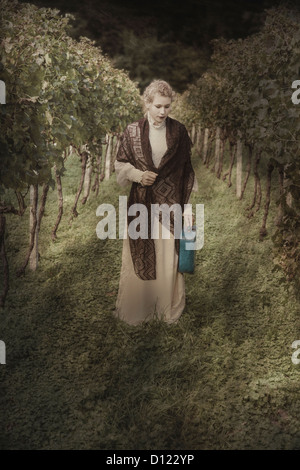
{"points": [[173, 184]]}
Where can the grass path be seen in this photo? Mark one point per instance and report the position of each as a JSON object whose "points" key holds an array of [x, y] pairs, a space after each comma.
{"points": [[221, 378]]}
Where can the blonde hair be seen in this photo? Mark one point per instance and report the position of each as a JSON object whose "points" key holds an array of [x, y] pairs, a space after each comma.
{"points": [[158, 86]]}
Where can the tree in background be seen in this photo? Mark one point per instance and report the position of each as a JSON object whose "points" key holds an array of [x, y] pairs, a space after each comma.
{"points": [[166, 39]]}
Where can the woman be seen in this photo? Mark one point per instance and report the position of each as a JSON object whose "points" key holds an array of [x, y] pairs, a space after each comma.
{"points": [[155, 156]]}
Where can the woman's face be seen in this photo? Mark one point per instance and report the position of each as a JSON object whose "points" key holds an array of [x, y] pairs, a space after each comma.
{"points": [[159, 108]]}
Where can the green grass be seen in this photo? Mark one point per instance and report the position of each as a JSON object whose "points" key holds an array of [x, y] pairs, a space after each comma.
{"points": [[77, 378]]}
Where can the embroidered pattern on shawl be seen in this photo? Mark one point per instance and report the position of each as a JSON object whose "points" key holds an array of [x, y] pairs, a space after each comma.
{"points": [[173, 184]]}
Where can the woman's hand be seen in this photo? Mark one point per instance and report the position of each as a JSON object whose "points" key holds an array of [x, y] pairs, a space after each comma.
{"points": [[188, 222], [148, 178]]}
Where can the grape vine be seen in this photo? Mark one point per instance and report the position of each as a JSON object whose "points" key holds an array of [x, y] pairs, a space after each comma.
{"points": [[62, 95], [245, 99]]}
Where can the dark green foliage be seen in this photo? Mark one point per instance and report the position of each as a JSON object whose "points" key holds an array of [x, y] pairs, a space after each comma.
{"points": [[168, 39]]}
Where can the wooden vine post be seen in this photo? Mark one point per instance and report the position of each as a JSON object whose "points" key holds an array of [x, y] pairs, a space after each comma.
{"points": [[87, 179], [288, 195], [217, 149], [33, 228], [193, 133], [114, 153], [60, 203], [95, 186], [205, 144], [108, 156], [198, 138]]}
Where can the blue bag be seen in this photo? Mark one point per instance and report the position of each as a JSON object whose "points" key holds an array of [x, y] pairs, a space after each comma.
{"points": [[186, 262]]}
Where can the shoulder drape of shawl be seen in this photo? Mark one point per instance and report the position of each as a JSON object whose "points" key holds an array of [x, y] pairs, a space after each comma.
{"points": [[173, 184]]}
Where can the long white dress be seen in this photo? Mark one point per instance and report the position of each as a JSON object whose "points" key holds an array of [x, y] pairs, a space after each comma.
{"points": [[164, 297]]}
